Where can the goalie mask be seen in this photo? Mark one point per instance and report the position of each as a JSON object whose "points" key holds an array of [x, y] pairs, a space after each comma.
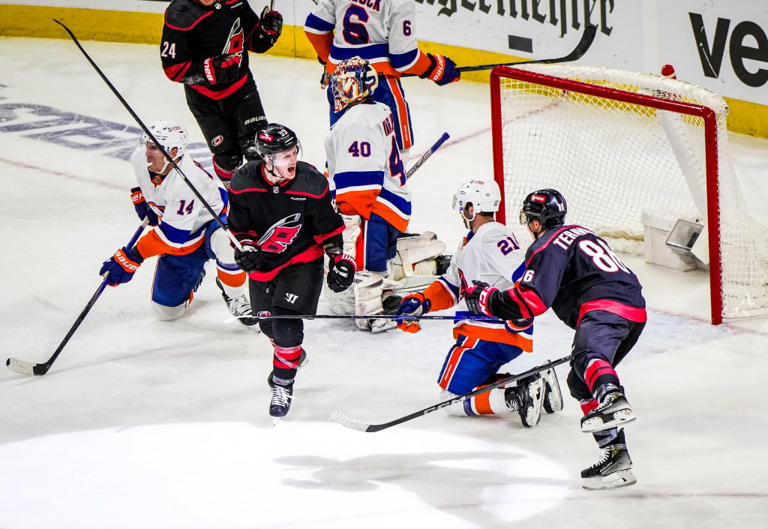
{"points": [[353, 80], [483, 195], [545, 205]]}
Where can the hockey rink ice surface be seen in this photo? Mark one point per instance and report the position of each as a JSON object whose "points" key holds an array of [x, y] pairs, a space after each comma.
{"points": [[145, 424]]}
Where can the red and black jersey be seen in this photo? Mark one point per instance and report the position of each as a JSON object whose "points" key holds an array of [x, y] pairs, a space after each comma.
{"points": [[574, 271], [291, 223], [193, 33]]}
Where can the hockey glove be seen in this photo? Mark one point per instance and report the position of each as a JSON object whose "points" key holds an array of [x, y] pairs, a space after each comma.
{"points": [[442, 70], [249, 259], [142, 209], [271, 23], [479, 297], [121, 266], [412, 305], [341, 272], [223, 69]]}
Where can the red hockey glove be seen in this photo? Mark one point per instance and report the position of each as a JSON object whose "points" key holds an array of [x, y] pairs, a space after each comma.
{"points": [[341, 272], [414, 304], [223, 69], [442, 70], [121, 266], [479, 297]]}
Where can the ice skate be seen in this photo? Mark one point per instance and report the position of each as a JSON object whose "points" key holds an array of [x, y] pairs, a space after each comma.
{"points": [[614, 410], [527, 399], [612, 470], [553, 397], [282, 396], [239, 307]]}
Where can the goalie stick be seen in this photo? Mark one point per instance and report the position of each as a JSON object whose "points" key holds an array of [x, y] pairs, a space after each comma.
{"points": [[342, 419], [577, 53], [149, 134], [424, 157], [29, 368]]}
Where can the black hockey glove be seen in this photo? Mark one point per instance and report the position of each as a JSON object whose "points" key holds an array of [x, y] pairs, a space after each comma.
{"points": [[341, 272], [223, 69], [479, 297], [250, 259], [271, 23]]}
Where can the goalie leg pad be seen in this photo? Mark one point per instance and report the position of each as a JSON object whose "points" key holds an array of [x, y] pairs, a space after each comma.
{"points": [[417, 255]]}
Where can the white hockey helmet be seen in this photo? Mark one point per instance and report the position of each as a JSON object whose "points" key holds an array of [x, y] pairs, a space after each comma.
{"points": [[353, 80], [169, 134], [484, 195]]}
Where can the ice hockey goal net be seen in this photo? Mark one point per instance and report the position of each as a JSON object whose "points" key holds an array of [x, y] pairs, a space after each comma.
{"points": [[619, 145]]}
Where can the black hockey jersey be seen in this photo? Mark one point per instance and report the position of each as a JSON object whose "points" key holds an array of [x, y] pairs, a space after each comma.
{"points": [[574, 271], [291, 223], [193, 33]]}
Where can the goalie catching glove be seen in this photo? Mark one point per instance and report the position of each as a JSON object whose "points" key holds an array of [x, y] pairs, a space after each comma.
{"points": [[121, 266], [341, 272], [412, 305]]}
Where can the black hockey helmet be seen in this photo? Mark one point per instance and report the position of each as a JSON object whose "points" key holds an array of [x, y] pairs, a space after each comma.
{"points": [[545, 205], [274, 139]]}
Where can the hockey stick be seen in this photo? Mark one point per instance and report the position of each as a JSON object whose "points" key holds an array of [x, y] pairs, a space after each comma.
{"points": [[269, 316], [28, 368], [424, 157], [367, 427], [581, 48], [154, 140]]}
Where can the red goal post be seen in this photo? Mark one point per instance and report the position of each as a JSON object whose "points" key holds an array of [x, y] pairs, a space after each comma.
{"points": [[624, 148]]}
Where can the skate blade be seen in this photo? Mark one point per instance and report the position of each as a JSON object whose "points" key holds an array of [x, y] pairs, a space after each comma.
{"points": [[619, 418], [615, 480]]}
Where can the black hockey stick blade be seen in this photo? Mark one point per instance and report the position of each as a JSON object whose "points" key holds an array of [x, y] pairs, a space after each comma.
{"points": [[352, 424], [577, 53]]}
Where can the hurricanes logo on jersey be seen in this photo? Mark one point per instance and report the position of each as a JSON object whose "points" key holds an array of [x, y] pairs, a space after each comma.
{"points": [[281, 234]]}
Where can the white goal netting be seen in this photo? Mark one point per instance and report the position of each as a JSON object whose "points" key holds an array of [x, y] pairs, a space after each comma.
{"points": [[605, 144]]}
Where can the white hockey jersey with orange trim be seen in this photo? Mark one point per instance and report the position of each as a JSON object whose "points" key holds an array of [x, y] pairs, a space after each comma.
{"points": [[364, 165], [183, 219], [381, 31], [491, 255]]}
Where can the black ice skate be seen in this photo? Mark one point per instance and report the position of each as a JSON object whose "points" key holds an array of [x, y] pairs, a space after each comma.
{"points": [[527, 399], [239, 307], [613, 411], [282, 396], [553, 397], [612, 470]]}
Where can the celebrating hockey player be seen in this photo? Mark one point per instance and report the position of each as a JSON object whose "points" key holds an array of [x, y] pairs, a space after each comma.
{"points": [[383, 32], [183, 234], [572, 270], [283, 215], [205, 46], [490, 254]]}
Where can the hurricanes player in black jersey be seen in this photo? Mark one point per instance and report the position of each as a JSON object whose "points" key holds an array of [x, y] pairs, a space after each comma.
{"points": [[281, 211], [205, 46], [572, 270]]}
